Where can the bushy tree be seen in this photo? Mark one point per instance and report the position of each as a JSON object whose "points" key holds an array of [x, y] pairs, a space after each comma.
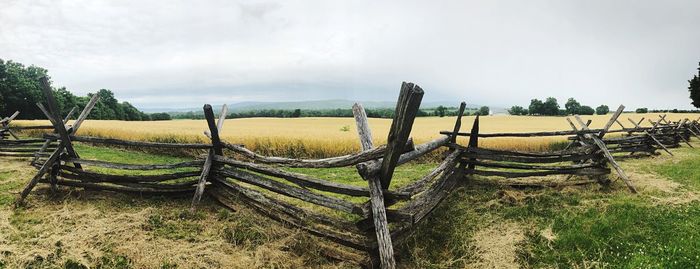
{"points": [[440, 111], [551, 107], [572, 106], [586, 110], [602, 110], [536, 107], [160, 116], [694, 88], [517, 110], [642, 110], [20, 89], [484, 111]]}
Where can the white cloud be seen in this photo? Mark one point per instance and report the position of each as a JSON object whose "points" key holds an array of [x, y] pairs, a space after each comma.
{"points": [[639, 53]]}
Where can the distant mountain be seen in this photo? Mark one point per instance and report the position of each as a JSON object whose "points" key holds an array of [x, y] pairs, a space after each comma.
{"points": [[307, 105]]}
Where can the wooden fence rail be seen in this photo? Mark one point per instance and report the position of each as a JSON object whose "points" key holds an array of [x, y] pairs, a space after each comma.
{"points": [[371, 219]]}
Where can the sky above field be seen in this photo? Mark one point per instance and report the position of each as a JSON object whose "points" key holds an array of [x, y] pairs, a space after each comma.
{"points": [[170, 54]]}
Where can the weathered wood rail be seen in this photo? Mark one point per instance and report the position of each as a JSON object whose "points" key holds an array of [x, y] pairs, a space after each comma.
{"points": [[11, 145], [366, 218]]}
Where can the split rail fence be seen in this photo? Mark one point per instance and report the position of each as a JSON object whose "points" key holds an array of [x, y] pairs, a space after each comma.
{"points": [[10, 143], [369, 221]]}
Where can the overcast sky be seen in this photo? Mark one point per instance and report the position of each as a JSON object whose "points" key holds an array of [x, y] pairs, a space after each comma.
{"points": [[165, 53]]}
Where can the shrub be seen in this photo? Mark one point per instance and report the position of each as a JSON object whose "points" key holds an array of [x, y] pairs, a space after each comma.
{"points": [[602, 110], [586, 110]]}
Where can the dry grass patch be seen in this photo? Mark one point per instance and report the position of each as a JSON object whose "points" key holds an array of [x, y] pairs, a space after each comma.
{"points": [[497, 245]]}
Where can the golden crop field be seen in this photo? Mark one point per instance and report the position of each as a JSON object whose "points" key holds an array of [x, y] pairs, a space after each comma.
{"points": [[324, 137]]}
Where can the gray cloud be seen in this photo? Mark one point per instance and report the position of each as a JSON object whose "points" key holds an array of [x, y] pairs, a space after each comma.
{"points": [[183, 53]]}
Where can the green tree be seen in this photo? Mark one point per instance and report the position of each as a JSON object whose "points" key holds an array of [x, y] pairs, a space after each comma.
{"points": [[66, 100], [20, 89], [586, 110], [536, 107], [484, 111], [602, 110], [517, 110], [642, 110], [160, 116], [572, 106], [131, 113], [296, 113], [440, 111], [551, 107], [694, 88]]}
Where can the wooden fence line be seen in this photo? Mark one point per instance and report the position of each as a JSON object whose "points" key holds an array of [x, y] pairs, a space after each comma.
{"points": [[302, 201]]}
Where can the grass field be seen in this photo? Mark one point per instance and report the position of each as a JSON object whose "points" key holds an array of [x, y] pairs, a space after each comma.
{"points": [[478, 226], [325, 137]]}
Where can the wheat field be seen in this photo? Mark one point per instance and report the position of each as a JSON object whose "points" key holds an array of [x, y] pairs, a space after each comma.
{"points": [[324, 137]]}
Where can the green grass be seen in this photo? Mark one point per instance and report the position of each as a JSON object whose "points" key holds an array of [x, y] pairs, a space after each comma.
{"points": [[403, 175], [624, 234], [682, 170], [616, 230], [6, 187], [128, 157]]}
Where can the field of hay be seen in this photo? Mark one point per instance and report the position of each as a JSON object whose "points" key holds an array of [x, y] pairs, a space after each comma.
{"points": [[324, 137]]}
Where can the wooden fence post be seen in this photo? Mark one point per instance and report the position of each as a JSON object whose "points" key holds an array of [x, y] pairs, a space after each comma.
{"points": [[381, 226], [458, 122], [653, 138], [601, 145], [54, 113], [217, 149], [65, 143], [474, 142], [407, 108], [612, 121]]}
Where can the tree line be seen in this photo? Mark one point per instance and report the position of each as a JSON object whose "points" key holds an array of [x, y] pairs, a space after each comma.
{"points": [[20, 90], [385, 113], [550, 107]]}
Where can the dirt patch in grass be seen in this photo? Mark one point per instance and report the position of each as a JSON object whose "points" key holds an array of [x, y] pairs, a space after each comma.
{"points": [[645, 180], [497, 245], [661, 189]]}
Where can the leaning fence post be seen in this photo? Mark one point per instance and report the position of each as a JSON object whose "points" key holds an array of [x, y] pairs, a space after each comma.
{"points": [[637, 127], [601, 145], [6, 125], [458, 122], [612, 120], [474, 142], [378, 207], [406, 110], [216, 149], [58, 122]]}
